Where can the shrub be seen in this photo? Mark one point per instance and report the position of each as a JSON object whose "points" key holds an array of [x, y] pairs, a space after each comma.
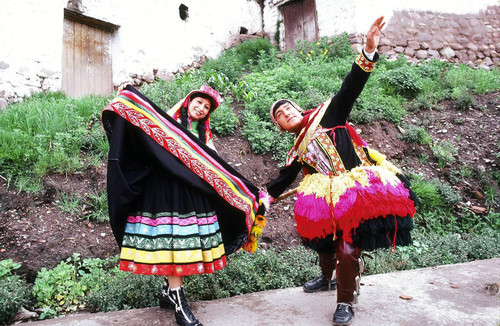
{"points": [[431, 249], [14, 291], [263, 270], [123, 290], [462, 99], [444, 152], [59, 288], [224, 120], [427, 193], [324, 49], [415, 134], [402, 80], [258, 133]]}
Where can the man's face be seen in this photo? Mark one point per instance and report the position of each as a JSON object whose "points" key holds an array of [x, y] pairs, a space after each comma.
{"points": [[198, 108], [288, 117]]}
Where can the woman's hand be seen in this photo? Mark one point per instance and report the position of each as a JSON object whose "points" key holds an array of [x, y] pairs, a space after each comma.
{"points": [[373, 35]]}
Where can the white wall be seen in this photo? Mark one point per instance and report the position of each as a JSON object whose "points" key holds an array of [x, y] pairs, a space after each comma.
{"points": [[151, 36], [31, 44]]}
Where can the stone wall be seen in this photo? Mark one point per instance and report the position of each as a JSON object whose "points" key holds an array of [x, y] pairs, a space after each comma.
{"points": [[473, 39]]}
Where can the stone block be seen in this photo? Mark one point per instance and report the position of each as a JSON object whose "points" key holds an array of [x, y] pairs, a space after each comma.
{"points": [[447, 53], [424, 37], [414, 45], [456, 46], [409, 52], [433, 53], [399, 49], [3, 103], [421, 54]]}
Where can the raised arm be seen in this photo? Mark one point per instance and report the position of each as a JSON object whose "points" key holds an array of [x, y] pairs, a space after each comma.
{"points": [[341, 105]]}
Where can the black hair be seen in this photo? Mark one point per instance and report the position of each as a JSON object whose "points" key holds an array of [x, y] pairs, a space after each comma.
{"points": [[208, 97], [278, 104], [201, 124]]}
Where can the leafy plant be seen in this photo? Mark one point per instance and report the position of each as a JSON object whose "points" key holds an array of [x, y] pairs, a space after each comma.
{"points": [[445, 153], [403, 81], [462, 98], [223, 120], [415, 134], [258, 133]]}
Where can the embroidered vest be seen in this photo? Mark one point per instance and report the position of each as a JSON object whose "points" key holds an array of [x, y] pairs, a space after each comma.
{"points": [[322, 155]]}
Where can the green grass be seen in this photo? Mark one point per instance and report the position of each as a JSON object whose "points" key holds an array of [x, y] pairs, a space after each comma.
{"points": [[49, 133]]}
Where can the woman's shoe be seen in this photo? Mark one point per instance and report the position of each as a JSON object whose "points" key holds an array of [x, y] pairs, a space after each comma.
{"points": [[183, 314], [166, 299]]}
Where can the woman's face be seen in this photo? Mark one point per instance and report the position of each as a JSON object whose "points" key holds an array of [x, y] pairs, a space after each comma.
{"points": [[198, 108]]}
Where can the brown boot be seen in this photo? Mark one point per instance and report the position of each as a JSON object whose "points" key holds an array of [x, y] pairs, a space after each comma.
{"points": [[348, 277]]}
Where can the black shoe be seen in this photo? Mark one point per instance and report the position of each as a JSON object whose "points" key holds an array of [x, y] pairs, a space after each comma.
{"points": [[183, 314], [167, 300], [343, 315], [320, 284]]}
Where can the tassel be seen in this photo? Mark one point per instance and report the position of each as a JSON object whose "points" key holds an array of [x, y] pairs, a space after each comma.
{"points": [[255, 234]]}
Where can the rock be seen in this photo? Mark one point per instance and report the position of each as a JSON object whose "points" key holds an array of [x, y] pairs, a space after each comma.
{"points": [[421, 54], [492, 288], [478, 210], [447, 52], [24, 314], [149, 77], [433, 53], [405, 297], [478, 195]]}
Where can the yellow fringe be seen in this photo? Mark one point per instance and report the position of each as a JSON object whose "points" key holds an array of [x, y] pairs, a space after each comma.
{"points": [[331, 188], [382, 161]]}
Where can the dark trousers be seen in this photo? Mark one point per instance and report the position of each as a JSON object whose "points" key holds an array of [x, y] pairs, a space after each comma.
{"points": [[347, 262]]}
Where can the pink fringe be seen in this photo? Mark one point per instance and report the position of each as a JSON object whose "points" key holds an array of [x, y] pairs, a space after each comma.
{"points": [[314, 216]]}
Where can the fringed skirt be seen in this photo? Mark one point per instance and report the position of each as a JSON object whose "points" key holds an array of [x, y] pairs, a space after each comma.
{"points": [[370, 205], [176, 233]]}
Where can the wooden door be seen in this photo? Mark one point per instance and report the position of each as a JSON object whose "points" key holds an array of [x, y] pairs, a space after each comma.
{"points": [[300, 22], [86, 66]]}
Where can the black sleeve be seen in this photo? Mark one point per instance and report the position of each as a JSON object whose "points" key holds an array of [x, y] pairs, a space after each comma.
{"points": [[287, 176], [341, 105]]}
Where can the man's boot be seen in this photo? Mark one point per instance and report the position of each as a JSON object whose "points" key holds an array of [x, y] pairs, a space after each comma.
{"points": [[349, 268], [326, 281]]}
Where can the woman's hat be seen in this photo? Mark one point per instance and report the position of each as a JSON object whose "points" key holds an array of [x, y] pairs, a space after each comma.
{"points": [[213, 95]]}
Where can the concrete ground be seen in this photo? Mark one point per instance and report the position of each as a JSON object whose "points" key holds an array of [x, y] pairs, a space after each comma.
{"points": [[461, 294]]}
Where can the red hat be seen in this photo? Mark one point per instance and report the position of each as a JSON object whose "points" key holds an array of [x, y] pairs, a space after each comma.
{"points": [[212, 93]]}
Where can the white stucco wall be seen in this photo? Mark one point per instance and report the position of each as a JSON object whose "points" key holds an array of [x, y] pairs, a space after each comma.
{"points": [[151, 36], [31, 45]]}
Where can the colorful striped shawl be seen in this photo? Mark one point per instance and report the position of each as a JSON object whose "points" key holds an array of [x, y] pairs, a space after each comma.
{"points": [[135, 108]]}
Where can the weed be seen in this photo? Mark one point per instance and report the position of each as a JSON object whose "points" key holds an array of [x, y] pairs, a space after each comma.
{"points": [[415, 134], [444, 152]]}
